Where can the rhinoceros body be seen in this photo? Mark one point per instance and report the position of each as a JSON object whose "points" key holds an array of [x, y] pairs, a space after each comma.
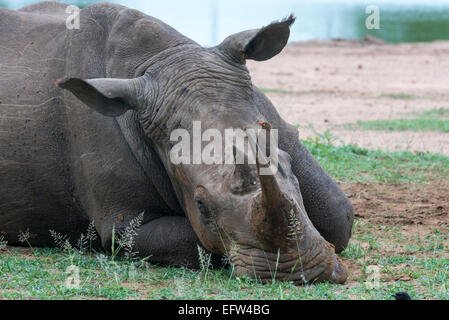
{"points": [[98, 151]]}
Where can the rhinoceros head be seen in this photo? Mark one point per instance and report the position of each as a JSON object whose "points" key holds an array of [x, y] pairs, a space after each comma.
{"points": [[257, 220]]}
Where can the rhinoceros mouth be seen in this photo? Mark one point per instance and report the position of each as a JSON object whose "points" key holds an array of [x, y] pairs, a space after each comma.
{"points": [[267, 266]]}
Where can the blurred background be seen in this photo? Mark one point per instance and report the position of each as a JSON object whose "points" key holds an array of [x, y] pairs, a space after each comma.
{"points": [[209, 21]]}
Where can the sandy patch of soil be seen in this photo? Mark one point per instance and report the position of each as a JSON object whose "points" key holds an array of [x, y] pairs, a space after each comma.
{"points": [[335, 82]]}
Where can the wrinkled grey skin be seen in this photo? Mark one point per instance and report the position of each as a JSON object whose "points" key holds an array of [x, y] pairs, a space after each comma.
{"points": [[99, 150]]}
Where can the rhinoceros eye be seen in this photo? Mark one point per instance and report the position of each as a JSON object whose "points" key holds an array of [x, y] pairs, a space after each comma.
{"points": [[202, 202], [202, 207]]}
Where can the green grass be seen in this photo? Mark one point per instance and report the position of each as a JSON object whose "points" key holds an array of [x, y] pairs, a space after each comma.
{"points": [[399, 96], [426, 266], [420, 124], [350, 164], [430, 120], [435, 113], [282, 91], [42, 274]]}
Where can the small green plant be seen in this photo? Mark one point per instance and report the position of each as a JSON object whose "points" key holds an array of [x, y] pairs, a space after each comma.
{"points": [[354, 251], [3, 243], [81, 243], [295, 234], [24, 237], [113, 253], [91, 235], [126, 238], [61, 241], [204, 261], [326, 137], [273, 279]]}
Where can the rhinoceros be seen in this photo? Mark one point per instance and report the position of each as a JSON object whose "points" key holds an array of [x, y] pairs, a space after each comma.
{"points": [[94, 147]]}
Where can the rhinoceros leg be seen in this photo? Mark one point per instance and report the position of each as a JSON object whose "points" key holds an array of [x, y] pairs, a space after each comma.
{"points": [[170, 240], [327, 206]]}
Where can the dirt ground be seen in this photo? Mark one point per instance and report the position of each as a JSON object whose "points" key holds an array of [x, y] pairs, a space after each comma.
{"points": [[406, 205], [335, 82], [417, 211]]}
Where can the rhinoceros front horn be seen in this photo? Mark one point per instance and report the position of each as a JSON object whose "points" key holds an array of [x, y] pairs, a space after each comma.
{"points": [[270, 219]]}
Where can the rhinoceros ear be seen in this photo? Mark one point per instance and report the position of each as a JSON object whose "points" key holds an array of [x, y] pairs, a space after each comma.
{"points": [[110, 97], [259, 44]]}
